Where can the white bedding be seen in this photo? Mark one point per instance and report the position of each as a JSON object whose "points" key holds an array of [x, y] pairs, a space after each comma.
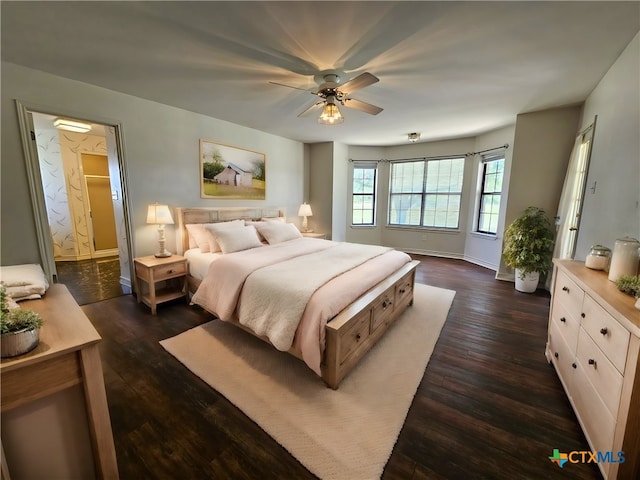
{"points": [[220, 290], [199, 262]]}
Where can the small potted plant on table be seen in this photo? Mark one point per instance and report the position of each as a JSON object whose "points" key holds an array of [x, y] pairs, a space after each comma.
{"points": [[528, 247], [19, 328]]}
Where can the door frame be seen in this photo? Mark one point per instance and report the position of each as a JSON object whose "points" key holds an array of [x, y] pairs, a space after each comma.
{"points": [[45, 244]]}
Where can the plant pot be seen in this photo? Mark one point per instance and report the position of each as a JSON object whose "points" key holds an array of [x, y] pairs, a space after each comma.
{"points": [[527, 283], [17, 343]]}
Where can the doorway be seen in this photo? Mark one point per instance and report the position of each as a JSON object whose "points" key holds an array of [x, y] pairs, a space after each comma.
{"points": [[86, 242]]}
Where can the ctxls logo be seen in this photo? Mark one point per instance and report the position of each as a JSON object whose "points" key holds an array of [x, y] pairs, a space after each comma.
{"points": [[579, 456]]}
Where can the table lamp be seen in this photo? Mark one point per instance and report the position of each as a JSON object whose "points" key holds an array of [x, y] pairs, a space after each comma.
{"points": [[161, 216], [305, 211]]}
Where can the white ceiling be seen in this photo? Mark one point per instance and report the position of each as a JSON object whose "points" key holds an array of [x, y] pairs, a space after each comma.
{"points": [[446, 69]]}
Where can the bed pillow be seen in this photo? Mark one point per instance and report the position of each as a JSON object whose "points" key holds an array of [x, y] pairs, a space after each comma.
{"points": [[201, 238], [274, 219], [256, 224], [237, 239], [278, 232], [214, 229]]}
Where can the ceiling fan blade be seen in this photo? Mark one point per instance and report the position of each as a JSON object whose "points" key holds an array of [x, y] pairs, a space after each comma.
{"points": [[362, 106], [291, 86], [311, 108], [363, 80]]}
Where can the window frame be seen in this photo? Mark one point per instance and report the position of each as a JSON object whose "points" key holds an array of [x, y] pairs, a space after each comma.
{"points": [[424, 193], [365, 165], [484, 163]]}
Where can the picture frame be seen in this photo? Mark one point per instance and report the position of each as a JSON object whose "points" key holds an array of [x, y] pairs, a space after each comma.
{"points": [[231, 173]]}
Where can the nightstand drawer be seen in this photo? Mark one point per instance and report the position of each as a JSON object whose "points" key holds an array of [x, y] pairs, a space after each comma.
{"points": [[173, 270]]}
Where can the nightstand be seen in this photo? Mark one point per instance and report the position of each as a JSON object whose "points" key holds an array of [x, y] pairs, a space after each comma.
{"points": [[151, 270], [315, 235]]}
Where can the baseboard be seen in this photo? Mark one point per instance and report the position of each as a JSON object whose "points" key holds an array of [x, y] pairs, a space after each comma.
{"points": [[125, 283], [482, 263], [432, 253]]}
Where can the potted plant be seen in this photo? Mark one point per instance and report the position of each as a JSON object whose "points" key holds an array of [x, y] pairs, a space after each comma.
{"points": [[528, 247], [19, 328]]}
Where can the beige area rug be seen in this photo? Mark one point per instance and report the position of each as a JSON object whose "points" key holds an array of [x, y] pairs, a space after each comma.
{"points": [[347, 433]]}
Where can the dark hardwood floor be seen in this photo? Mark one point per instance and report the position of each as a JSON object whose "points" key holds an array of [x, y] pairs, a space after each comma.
{"points": [[91, 281], [489, 405]]}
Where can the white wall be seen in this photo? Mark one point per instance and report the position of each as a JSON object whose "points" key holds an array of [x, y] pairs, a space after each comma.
{"points": [[541, 149], [612, 211], [486, 250], [340, 198], [450, 243], [321, 187], [161, 148]]}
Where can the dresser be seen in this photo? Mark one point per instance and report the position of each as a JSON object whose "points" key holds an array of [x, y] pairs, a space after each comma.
{"points": [[593, 343], [55, 416]]}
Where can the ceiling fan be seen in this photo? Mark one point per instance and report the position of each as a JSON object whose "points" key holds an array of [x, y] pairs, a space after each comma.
{"points": [[332, 93]]}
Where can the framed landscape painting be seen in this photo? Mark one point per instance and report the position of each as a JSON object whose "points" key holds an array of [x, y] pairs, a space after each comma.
{"points": [[230, 172]]}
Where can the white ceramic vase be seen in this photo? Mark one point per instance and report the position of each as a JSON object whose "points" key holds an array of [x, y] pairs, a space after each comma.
{"points": [[527, 283]]}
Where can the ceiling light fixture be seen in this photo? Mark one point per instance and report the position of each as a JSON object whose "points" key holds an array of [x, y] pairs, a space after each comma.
{"points": [[413, 137], [71, 125], [330, 113]]}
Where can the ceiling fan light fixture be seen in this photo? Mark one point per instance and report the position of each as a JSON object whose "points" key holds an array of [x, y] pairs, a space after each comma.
{"points": [[330, 113], [413, 137]]}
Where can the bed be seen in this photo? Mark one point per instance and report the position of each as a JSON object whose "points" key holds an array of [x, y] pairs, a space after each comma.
{"points": [[332, 300]]}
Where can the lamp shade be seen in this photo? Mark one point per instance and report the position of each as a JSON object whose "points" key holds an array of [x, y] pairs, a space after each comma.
{"points": [[305, 210], [159, 214]]}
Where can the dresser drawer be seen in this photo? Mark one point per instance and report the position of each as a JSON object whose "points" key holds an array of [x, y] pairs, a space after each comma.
{"points": [[569, 294], [602, 374], [382, 309], [404, 290], [355, 335], [597, 422], [567, 324], [164, 272], [609, 335], [561, 355]]}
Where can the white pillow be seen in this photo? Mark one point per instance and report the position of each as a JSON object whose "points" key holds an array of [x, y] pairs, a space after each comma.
{"points": [[237, 239], [214, 229], [256, 223], [24, 282], [200, 237], [278, 232]]}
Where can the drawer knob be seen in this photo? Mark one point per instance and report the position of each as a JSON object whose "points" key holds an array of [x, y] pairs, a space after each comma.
{"points": [[556, 355], [386, 304], [563, 320], [358, 336], [169, 271], [574, 365], [402, 290], [565, 289], [583, 315], [604, 331], [592, 362]]}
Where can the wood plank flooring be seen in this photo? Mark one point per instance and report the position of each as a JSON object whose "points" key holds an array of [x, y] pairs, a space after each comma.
{"points": [[489, 405]]}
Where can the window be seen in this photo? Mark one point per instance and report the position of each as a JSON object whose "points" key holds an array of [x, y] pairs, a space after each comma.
{"points": [[426, 193], [490, 193], [363, 211]]}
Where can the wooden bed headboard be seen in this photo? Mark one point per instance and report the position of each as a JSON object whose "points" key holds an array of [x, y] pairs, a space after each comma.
{"points": [[218, 214]]}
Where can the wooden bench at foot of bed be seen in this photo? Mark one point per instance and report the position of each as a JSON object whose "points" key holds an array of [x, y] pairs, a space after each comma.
{"points": [[355, 330]]}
